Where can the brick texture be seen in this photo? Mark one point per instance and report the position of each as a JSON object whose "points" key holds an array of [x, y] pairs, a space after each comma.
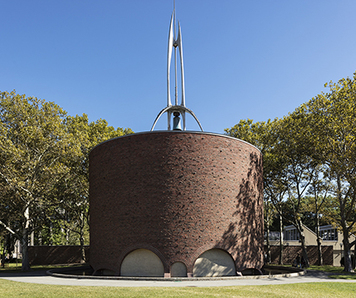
{"points": [[177, 194]]}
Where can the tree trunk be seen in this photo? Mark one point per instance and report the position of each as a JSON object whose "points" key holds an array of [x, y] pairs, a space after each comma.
{"points": [[302, 241], [81, 235], [347, 251], [82, 249], [40, 237], [318, 239], [344, 226], [280, 262], [304, 251], [67, 236], [268, 260], [24, 245], [24, 241]]}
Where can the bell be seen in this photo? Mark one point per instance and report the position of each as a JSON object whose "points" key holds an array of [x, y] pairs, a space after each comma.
{"points": [[176, 121]]}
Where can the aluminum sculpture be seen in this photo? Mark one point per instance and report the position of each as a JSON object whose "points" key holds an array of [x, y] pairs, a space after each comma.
{"points": [[176, 109]]}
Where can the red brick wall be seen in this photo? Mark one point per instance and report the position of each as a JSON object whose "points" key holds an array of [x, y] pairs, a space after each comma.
{"points": [[291, 252], [177, 194]]}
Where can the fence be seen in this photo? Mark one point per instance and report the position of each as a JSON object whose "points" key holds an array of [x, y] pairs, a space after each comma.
{"points": [[49, 255]]}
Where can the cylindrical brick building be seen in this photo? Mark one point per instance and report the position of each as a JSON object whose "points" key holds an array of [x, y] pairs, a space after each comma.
{"points": [[175, 203]]}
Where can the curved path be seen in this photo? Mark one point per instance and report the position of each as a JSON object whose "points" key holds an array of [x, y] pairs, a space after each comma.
{"points": [[40, 277]]}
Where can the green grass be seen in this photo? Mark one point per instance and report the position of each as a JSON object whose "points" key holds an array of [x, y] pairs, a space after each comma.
{"points": [[344, 276], [16, 289], [11, 266], [327, 268], [338, 272]]}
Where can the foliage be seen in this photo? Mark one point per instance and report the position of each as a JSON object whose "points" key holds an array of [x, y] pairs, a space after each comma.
{"points": [[333, 119], [33, 148], [310, 160], [44, 169]]}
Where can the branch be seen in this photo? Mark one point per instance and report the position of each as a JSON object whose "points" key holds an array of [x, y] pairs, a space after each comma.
{"points": [[352, 244], [8, 229], [14, 189]]}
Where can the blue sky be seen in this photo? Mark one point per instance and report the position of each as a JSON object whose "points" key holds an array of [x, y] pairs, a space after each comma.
{"points": [[242, 59]]}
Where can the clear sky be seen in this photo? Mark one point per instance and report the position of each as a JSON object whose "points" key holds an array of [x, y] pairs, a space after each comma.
{"points": [[243, 59]]}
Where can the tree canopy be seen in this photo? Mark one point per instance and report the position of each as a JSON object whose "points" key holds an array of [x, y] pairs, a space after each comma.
{"points": [[310, 159], [44, 167]]}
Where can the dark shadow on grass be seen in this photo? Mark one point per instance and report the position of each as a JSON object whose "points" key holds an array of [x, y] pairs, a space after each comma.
{"points": [[19, 273]]}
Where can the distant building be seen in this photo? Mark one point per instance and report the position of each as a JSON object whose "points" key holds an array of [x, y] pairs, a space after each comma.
{"points": [[329, 235]]}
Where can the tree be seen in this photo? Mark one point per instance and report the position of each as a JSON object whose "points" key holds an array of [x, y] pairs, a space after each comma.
{"points": [[295, 147], [320, 134], [33, 149], [44, 168], [333, 119], [318, 202]]}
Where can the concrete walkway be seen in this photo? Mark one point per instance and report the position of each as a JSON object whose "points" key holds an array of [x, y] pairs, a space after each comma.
{"points": [[40, 277]]}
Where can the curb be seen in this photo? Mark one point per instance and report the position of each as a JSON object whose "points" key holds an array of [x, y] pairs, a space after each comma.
{"points": [[57, 273]]}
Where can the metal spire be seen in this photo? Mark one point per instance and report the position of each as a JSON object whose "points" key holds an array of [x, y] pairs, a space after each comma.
{"points": [[176, 110]]}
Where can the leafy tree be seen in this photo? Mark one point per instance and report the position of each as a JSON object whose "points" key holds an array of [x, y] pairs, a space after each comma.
{"points": [[310, 157], [295, 147], [333, 119], [318, 202], [44, 169], [33, 146], [275, 192]]}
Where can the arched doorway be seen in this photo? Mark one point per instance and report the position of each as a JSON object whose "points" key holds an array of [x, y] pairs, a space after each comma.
{"points": [[142, 262], [214, 262], [178, 269]]}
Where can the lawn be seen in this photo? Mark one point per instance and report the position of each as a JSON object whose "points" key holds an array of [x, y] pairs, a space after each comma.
{"points": [[327, 268], [332, 289], [337, 272], [16, 289]]}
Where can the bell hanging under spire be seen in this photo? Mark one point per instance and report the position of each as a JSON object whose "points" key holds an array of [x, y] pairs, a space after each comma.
{"points": [[176, 121]]}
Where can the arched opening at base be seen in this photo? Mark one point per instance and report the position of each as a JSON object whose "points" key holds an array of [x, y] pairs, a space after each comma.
{"points": [[214, 262], [142, 262], [178, 269]]}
